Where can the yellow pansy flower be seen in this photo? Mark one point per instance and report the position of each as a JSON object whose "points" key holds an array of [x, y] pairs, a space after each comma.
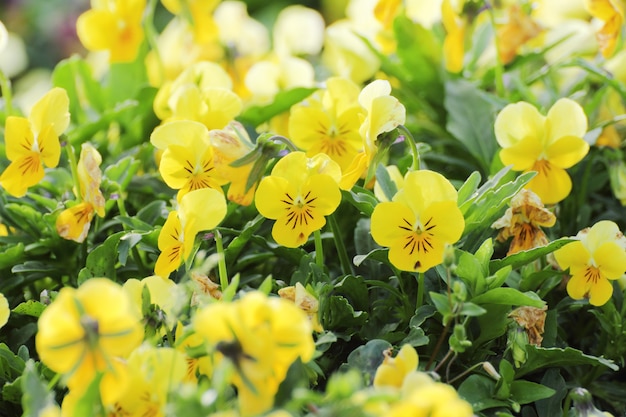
{"points": [[84, 329], [545, 144], [597, 256], [187, 162], [5, 311], [291, 22], [162, 294], [518, 30], [277, 73], [194, 365], [523, 221], [329, 122], [114, 26], [383, 113], [199, 210], [298, 194], [612, 14], [73, 223], [419, 222], [154, 373], [199, 13], [393, 370], [202, 93], [261, 337], [34, 142]]}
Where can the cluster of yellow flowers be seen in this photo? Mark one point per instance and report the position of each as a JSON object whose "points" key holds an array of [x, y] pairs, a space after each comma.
{"points": [[211, 63], [94, 334]]}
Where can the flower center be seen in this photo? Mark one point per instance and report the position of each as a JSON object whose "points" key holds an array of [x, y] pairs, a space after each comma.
{"points": [[199, 174], [419, 237], [542, 166], [593, 274], [299, 209]]}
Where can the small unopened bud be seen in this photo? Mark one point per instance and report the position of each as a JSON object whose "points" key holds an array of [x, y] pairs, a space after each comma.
{"points": [[449, 258], [491, 371]]}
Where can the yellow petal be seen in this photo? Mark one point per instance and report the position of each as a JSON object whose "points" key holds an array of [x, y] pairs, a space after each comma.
{"points": [[180, 132], [600, 233], [377, 88], [73, 223], [600, 292], [424, 187], [388, 227], [270, 194], [611, 260], [95, 28], [22, 174], [518, 121], [574, 254], [201, 210], [51, 110], [552, 184], [49, 147], [385, 114], [19, 138], [565, 118], [5, 311], [567, 151]]}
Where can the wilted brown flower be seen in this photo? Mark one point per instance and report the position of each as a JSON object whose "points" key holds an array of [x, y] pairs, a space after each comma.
{"points": [[532, 319]]}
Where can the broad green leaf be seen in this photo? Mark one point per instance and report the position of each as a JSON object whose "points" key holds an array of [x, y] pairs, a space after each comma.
{"points": [[362, 199], [385, 182], [509, 296], [338, 314], [525, 392], [539, 358], [12, 255], [470, 270], [283, 101], [355, 290], [377, 254], [29, 308], [471, 116], [478, 390], [85, 93], [522, 258], [102, 260], [468, 189], [367, 358], [37, 397], [497, 279]]}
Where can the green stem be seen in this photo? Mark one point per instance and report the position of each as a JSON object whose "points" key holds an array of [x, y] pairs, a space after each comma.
{"points": [[499, 68], [53, 381], [319, 250], [71, 157], [346, 265], [420, 290], [567, 405], [5, 86], [409, 138], [221, 262]]}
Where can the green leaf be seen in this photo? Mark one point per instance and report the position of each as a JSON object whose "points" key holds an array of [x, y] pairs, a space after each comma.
{"points": [[376, 254], [122, 172], [385, 182], [29, 308], [496, 280], [522, 258], [539, 358], [12, 255], [229, 293], [471, 115], [470, 271], [338, 314], [255, 115], [471, 310], [509, 296], [468, 188], [362, 199], [102, 260], [355, 290], [75, 76], [478, 390], [36, 396], [442, 304], [525, 392], [367, 358]]}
